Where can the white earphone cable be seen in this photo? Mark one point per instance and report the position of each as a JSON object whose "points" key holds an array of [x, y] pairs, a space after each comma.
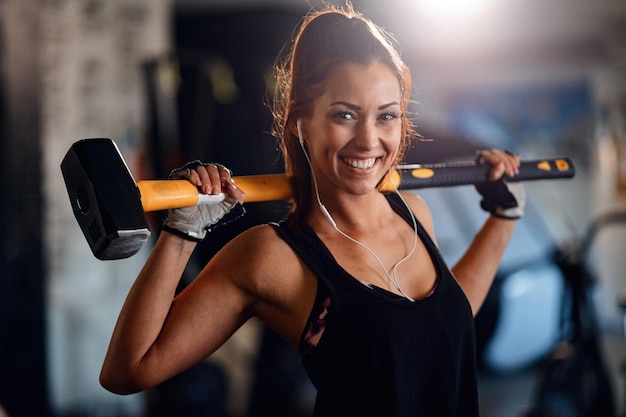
{"points": [[392, 279]]}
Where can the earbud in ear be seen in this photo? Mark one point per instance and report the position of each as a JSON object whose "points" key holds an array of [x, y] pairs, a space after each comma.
{"points": [[299, 127]]}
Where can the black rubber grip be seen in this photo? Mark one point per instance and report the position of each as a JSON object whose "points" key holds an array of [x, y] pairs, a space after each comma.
{"points": [[468, 173]]}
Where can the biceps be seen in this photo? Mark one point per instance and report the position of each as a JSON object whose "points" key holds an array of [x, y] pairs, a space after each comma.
{"points": [[202, 318]]}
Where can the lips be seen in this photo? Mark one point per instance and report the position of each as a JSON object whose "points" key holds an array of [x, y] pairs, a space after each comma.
{"points": [[359, 163]]}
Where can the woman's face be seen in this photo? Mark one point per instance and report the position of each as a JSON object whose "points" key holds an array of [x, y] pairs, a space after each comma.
{"points": [[354, 131]]}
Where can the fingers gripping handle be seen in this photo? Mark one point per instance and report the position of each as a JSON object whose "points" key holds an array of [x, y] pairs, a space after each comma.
{"points": [[169, 194]]}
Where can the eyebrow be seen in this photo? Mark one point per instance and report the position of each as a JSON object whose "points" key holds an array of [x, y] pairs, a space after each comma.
{"points": [[355, 107]]}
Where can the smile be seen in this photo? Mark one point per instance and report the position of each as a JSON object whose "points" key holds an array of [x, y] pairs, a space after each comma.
{"points": [[360, 163]]}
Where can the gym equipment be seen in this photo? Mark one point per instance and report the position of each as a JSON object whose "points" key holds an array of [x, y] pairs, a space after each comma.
{"points": [[109, 204], [575, 380]]}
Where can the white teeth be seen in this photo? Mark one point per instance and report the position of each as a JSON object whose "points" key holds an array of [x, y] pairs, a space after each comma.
{"points": [[360, 163]]}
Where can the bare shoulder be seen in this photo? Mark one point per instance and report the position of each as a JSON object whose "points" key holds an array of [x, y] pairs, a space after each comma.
{"points": [[262, 240], [280, 285], [257, 249], [263, 263], [421, 211]]}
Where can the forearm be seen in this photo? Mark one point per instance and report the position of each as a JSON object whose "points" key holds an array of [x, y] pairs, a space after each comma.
{"points": [[477, 268], [144, 312]]}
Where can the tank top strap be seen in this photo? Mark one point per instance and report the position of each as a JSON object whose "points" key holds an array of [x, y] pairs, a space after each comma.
{"points": [[400, 207], [308, 247], [311, 251]]}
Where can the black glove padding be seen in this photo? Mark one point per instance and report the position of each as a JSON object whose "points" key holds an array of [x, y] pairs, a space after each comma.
{"points": [[503, 199], [193, 223]]}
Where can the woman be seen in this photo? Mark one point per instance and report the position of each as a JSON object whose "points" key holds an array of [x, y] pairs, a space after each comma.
{"points": [[352, 278]]}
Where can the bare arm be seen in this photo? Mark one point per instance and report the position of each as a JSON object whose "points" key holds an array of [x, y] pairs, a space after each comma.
{"points": [[477, 268], [144, 312], [157, 335]]}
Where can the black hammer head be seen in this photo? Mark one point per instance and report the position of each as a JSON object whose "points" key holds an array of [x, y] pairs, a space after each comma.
{"points": [[105, 199]]}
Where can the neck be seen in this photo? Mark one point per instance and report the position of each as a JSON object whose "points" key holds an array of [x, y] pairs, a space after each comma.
{"points": [[353, 214], [351, 227]]}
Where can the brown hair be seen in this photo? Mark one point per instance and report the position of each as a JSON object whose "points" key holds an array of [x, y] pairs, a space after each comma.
{"points": [[325, 41]]}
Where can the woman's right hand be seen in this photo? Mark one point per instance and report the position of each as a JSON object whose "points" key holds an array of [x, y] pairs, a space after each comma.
{"points": [[193, 223], [211, 178]]}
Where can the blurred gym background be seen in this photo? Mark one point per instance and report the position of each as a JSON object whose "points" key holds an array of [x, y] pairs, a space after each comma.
{"points": [[175, 80]]}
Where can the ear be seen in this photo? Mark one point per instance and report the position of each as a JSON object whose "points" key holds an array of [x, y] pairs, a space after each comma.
{"points": [[299, 128], [291, 127], [296, 128]]}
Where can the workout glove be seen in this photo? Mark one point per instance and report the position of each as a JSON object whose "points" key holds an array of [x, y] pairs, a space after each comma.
{"points": [[503, 199], [193, 223]]}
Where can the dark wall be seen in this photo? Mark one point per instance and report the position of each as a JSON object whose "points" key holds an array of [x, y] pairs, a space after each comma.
{"points": [[23, 390], [234, 132], [248, 42]]}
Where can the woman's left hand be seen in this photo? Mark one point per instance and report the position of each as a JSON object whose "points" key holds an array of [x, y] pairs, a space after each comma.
{"points": [[502, 162], [501, 198]]}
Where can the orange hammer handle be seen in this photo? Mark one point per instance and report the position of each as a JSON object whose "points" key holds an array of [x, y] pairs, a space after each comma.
{"points": [[160, 195], [167, 194]]}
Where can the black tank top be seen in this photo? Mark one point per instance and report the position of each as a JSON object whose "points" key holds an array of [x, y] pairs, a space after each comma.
{"points": [[370, 352]]}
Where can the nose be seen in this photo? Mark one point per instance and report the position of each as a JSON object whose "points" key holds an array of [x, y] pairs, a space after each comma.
{"points": [[366, 135]]}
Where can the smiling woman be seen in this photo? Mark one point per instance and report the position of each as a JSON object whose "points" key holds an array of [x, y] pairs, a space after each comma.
{"points": [[352, 277], [303, 76], [353, 134]]}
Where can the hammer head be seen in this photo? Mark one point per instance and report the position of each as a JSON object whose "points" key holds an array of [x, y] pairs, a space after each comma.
{"points": [[105, 199]]}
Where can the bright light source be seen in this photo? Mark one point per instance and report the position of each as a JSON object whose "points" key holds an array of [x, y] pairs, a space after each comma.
{"points": [[453, 9]]}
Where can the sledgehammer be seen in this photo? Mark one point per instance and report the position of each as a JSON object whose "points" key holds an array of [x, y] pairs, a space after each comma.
{"points": [[109, 204]]}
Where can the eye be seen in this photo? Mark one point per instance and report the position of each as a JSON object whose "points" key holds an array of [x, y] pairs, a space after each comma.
{"points": [[389, 116], [345, 115]]}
